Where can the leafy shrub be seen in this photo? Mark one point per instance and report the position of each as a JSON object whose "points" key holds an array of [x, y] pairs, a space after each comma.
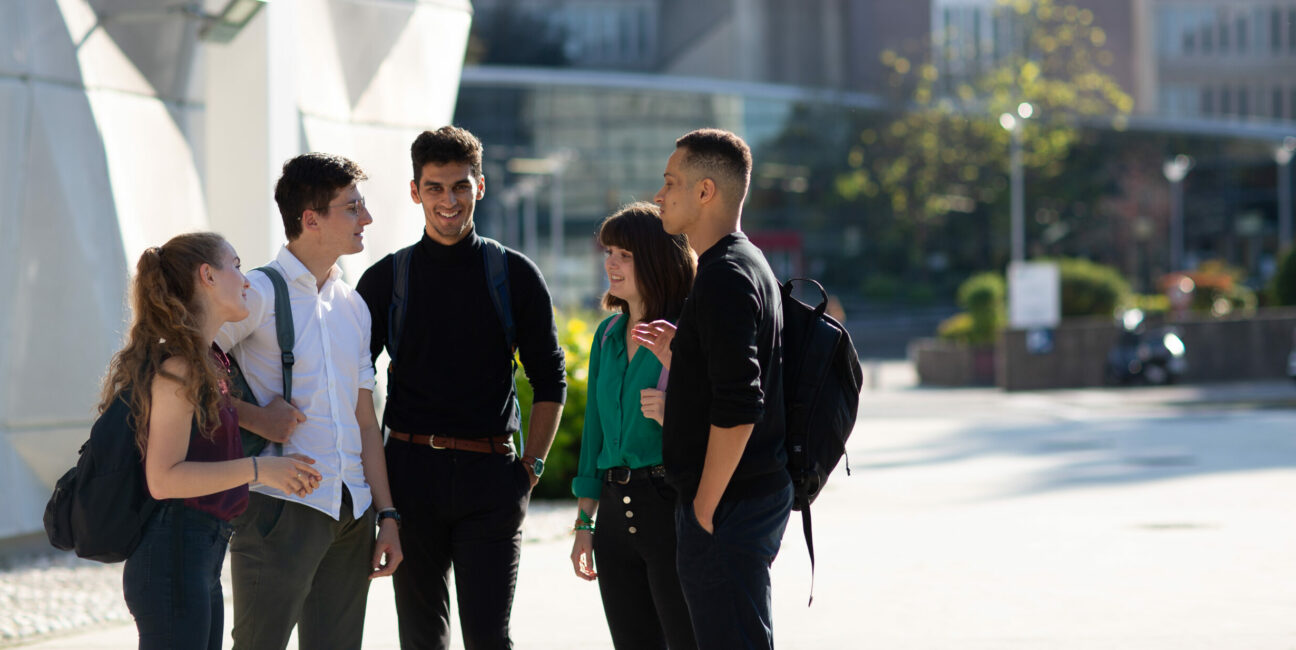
{"points": [[982, 295], [1216, 289], [1089, 288], [575, 334], [1282, 288]]}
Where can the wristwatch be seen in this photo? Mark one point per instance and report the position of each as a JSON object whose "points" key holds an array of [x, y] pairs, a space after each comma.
{"points": [[389, 513], [536, 464]]}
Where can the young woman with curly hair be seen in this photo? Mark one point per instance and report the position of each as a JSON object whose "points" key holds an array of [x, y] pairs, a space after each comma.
{"points": [[175, 381]]}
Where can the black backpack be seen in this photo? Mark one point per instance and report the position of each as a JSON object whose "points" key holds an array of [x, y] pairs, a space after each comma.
{"points": [[100, 506], [821, 390]]}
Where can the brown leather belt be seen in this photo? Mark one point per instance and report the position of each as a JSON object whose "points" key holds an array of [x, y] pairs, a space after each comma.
{"points": [[497, 445]]}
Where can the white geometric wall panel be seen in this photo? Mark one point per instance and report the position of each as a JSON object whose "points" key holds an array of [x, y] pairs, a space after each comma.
{"points": [[116, 134]]}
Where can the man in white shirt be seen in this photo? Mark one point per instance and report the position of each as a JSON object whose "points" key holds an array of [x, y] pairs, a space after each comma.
{"points": [[307, 560]]}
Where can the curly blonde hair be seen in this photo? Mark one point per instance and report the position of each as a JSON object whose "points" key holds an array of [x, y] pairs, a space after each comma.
{"points": [[167, 323]]}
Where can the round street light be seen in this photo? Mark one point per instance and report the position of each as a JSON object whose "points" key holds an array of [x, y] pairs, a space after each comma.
{"points": [[1175, 170], [1017, 220], [1283, 156]]}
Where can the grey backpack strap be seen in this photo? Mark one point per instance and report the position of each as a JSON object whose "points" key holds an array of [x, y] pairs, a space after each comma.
{"points": [[283, 327]]}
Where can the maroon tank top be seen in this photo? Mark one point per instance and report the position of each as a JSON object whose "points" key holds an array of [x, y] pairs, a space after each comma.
{"points": [[225, 444]]}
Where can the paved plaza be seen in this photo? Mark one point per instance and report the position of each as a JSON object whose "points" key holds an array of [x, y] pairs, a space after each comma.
{"points": [[1141, 519]]}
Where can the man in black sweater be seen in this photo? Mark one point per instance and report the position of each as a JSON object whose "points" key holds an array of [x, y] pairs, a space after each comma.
{"points": [[461, 490], [722, 439]]}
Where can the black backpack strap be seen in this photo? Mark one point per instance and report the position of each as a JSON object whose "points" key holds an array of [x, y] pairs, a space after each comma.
{"points": [[396, 310], [497, 282], [497, 279], [809, 538]]}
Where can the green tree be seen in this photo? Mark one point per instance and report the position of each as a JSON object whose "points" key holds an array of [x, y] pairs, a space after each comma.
{"points": [[946, 152]]}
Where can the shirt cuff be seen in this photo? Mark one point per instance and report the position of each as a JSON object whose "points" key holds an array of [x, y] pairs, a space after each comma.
{"points": [[585, 487], [556, 394]]}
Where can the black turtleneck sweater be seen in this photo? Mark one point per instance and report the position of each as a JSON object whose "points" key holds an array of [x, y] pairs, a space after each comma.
{"points": [[454, 377]]}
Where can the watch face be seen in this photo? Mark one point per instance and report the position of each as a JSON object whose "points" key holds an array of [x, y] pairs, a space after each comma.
{"points": [[538, 467]]}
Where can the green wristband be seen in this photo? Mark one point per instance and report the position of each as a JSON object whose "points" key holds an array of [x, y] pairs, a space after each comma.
{"points": [[584, 517]]}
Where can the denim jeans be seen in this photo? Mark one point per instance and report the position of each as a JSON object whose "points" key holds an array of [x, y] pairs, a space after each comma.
{"points": [[725, 574], [176, 599]]}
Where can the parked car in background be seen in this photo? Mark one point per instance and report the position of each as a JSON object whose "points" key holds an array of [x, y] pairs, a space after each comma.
{"points": [[1146, 355]]}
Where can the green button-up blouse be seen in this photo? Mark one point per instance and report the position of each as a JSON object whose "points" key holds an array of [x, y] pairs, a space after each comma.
{"points": [[616, 432]]}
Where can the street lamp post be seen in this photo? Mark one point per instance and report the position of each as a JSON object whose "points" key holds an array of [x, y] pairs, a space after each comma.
{"points": [[1283, 156], [1013, 124], [1175, 170]]}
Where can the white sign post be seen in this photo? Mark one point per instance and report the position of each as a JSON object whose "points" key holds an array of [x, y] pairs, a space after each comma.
{"points": [[1035, 302]]}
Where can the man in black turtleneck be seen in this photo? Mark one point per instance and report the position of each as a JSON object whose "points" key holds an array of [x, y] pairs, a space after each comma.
{"points": [[460, 490]]}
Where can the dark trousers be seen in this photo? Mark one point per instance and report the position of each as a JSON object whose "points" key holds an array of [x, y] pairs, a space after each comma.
{"points": [[296, 566], [462, 509], [634, 553], [176, 599], [725, 574]]}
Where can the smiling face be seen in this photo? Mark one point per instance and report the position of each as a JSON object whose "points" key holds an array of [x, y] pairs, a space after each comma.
{"points": [[448, 193], [228, 285], [342, 223], [620, 268], [678, 198]]}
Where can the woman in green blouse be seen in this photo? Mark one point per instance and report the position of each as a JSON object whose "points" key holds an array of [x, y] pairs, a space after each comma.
{"points": [[649, 274]]}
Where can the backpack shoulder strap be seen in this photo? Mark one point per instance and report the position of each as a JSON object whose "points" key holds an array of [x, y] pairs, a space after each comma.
{"points": [[283, 326], [400, 291], [607, 331], [497, 279]]}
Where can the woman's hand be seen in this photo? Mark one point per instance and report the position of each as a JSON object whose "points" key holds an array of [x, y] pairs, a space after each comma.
{"points": [[291, 474], [657, 337], [582, 555], [653, 404]]}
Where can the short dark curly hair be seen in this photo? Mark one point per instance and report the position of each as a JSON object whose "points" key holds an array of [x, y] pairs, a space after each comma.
{"points": [[721, 156], [309, 182], [448, 144]]}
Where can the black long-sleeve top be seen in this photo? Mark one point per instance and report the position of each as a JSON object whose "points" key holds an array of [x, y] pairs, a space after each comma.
{"points": [[454, 375], [726, 370]]}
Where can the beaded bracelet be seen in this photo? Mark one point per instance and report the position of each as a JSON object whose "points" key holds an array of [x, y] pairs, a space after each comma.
{"points": [[589, 527]]}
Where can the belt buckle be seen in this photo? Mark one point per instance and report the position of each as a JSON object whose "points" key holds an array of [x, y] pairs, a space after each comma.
{"points": [[619, 475], [432, 443]]}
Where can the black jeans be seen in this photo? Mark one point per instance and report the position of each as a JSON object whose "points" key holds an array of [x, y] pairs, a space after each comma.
{"points": [[725, 574], [634, 554], [177, 601], [462, 509]]}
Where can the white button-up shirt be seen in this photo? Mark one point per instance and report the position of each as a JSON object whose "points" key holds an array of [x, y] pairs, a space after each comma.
{"points": [[332, 364]]}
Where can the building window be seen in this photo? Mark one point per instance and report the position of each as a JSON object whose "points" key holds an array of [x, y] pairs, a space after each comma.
{"points": [[1275, 30], [1241, 34], [1277, 103], [1291, 30], [1223, 26], [1244, 102], [1291, 104], [1207, 38], [1225, 102], [1207, 101]]}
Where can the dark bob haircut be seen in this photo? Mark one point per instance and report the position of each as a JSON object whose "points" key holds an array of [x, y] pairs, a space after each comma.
{"points": [[664, 265]]}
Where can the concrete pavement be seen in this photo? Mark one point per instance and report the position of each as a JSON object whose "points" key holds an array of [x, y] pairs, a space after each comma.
{"points": [[1146, 519]]}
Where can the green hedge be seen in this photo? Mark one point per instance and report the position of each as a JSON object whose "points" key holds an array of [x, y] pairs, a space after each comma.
{"points": [[575, 334]]}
